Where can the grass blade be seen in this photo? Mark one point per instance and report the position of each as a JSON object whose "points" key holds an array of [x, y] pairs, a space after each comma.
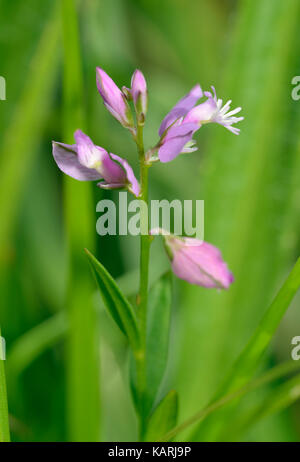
{"points": [[4, 423], [23, 135], [18, 151], [273, 374], [246, 364], [163, 418], [34, 342], [83, 364], [277, 400]]}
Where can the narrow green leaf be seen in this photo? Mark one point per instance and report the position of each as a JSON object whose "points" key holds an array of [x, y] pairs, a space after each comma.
{"points": [[34, 342], [244, 367], [23, 135], [157, 342], [163, 418], [83, 361], [247, 362], [278, 399], [273, 374], [116, 303], [159, 313]]}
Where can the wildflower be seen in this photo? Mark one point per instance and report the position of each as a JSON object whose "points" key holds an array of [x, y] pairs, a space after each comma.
{"points": [[178, 127], [114, 99], [212, 111], [85, 161], [177, 140], [176, 137], [181, 108], [195, 261], [139, 94]]}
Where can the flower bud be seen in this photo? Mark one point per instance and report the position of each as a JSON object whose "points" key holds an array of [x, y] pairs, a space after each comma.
{"points": [[198, 262], [139, 94], [114, 100]]}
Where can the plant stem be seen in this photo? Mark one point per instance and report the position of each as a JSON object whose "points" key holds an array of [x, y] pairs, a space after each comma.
{"points": [[144, 273], [4, 423]]}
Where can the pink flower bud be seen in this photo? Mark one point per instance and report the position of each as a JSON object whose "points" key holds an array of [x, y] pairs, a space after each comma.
{"points": [[198, 262], [114, 100], [139, 92]]}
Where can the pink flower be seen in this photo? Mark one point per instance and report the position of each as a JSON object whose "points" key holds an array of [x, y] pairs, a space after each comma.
{"points": [[85, 161], [113, 98], [139, 92], [197, 262], [181, 108], [178, 127], [212, 111], [176, 137]]}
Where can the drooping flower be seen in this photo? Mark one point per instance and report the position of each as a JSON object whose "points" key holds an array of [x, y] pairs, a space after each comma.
{"points": [[139, 93], [213, 111], [85, 161], [197, 262], [113, 98]]}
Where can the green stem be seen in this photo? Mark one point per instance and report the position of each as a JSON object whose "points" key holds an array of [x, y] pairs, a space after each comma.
{"points": [[4, 423], [144, 275]]}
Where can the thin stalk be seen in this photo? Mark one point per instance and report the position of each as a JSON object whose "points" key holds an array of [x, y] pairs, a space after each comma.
{"points": [[144, 276], [4, 423], [274, 374]]}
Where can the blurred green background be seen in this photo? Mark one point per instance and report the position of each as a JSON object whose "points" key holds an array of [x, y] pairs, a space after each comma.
{"points": [[247, 49]]}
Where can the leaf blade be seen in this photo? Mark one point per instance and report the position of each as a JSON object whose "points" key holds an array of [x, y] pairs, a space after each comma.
{"points": [[116, 303], [159, 314], [163, 418]]}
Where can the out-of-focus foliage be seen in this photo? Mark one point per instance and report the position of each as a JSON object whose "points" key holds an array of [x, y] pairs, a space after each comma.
{"points": [[248, 49]]}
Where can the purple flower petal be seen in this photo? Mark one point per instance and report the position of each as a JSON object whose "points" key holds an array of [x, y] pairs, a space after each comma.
{"points": [[176, 139], [181, 108], [66, 157], [135, 186], [93, 156], [114, 100], [89, 155], [112, 172], [212, 110], [202, 113]]}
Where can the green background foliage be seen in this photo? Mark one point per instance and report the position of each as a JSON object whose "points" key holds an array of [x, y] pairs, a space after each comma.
{"points": [[248, 49]]}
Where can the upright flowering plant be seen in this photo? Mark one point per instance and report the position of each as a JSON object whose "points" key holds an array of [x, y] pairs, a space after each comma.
{"points": [[195, 261]]}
